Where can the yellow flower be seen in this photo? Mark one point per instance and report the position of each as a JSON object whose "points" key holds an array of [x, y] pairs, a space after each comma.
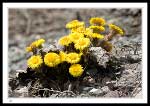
{"points": [[39, 42], [78, 29], [117, 29], [88, 32], [75, 36], [97, 28], [65, 41], [63, 56], [28, 49], [73, 58], [34, 61], [82, 43], [97, 21], [74, 24], [96, 35], [35, 44], [51, 59], [76, 70]]}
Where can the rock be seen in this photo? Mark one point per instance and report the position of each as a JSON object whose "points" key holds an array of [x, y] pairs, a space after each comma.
{"points": [[83, 95], [105, 80], [105, 89], [112, 94], [87, 88], [16, 54], [100, 54], [54, 95], [96, 92], [22, 92], [20, 71], [88, 80]]}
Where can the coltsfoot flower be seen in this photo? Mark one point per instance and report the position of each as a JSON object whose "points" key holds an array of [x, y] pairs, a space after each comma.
{"points": [[88, 32], [52, 59], [34, 61], [65, 41], [98, 36], [28, 49], [73, 58], [78, 29], [82, 43], [97, 28], [97, 21], [63, 56], [74, 24], [76, 36], [36, 44], [76, 70], [117, 29], [39, 42]]}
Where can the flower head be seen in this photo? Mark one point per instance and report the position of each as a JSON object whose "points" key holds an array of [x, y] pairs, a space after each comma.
{"points": [[28, 49], [73, 58], [74, 24], [78, 29], [65, 41], [39, 42], [117, 29], [76, 36], [96, 35], [97, 28], [97, 21], [63, 56], [36, 44], [51, 59], [88, 32], [76, 70], [34, 61], [82, 43]]}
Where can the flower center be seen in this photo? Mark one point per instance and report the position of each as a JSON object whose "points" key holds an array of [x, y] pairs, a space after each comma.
{"points": [[82, 43]]}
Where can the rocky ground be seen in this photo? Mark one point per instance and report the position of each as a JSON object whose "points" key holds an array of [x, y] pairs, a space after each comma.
{"points": [[26, 25]]}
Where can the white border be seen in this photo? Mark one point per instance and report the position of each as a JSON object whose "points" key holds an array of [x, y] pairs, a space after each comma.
{"points": [[6, 6]]}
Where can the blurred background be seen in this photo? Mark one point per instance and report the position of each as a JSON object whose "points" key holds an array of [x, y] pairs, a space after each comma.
{"points": [[27, 25]]}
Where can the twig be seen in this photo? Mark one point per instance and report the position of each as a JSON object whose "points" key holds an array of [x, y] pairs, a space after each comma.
{"points": [[56, 91], [135, 88]]}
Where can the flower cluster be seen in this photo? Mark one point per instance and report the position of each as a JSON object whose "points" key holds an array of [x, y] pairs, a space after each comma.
{"points": [[75, 44], [35, 44]]}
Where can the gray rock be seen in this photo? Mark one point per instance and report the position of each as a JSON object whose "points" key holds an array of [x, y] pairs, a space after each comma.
{"points": [[100, 54], [22, 92], [20, 71], [105, 89], [16, 54], [96, 92], [86, 95], [54, 95], [86, 89], [113, 94]]}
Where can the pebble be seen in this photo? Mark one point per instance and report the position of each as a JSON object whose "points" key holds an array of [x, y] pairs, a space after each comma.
{"points": [[96, 92]]}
